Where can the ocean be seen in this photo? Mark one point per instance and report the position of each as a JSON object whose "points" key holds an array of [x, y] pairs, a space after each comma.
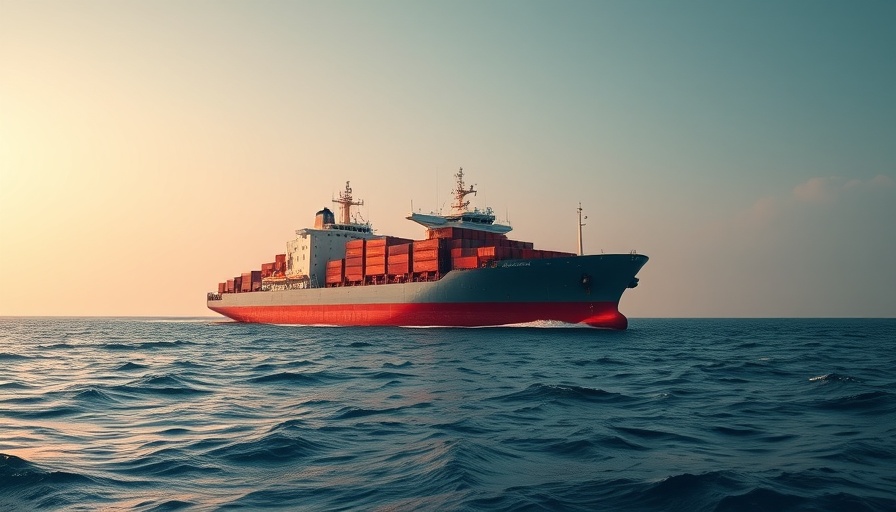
{"points": [[672, 414]]}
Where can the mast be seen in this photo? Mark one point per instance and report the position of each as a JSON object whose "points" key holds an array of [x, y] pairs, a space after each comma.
{"points": [[581, 253], [345, 203], [459, 193]]}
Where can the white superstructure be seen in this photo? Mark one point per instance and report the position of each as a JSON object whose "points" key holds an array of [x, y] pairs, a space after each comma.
{"points": [[461, 216]]}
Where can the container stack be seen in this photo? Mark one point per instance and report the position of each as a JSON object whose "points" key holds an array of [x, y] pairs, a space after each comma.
{"points": [[428, 258], [398, 265], [250, 281], [376, 257], [335, 272], [354, 261], [280, 264]]}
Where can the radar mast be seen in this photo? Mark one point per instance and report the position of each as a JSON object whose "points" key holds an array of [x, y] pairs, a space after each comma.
{"points": [[460, 206], [345, 203]]}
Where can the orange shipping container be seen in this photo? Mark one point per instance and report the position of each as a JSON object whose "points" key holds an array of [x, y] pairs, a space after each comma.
{"points": [[465, 262], [354, 262], [375, 270], [427, 266], [425, 245], [426, 255], [399, 249]]}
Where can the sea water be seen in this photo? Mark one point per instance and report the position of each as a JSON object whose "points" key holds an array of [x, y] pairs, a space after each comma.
{"points": [[690, 415]]}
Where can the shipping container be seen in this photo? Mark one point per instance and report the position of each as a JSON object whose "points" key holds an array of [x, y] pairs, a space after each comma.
{"points": [[375, 260], [465, 262], [399, 249], [229, 286], [426, 245], [335, 272], [464, 252], [222, 287], [433, 254], [375, 270], [237, 284], [246, 282], [280, 258], [354, 263], [397, 268], [353, 276]]}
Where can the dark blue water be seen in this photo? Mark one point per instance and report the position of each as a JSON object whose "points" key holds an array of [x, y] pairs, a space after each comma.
{"points": [[683, 415]]}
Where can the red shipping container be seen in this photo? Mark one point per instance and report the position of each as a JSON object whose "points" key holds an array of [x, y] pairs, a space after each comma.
{"points": [[354, 262], [376, 260], [222, 287], [280, 258], [425, 245], [426, 255], [400, 268], [427, 266], [375, 270], [229, 288], [237, 284], [465, 262], [399, 249]]}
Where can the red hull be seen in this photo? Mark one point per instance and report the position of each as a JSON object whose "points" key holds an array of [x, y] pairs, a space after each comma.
{"points": [[468, 314]]}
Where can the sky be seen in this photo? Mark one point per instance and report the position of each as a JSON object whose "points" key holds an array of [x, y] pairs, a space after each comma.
{"points": [[152, 149]]}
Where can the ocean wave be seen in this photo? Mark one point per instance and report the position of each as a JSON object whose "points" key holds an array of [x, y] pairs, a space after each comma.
{"points": [[25, 486], [863, 403], [563, 394], [276, 447], [303, 379], [360, 412], [833, 377], [93, 395], [160, 385], [129, 366], [8, 356]]}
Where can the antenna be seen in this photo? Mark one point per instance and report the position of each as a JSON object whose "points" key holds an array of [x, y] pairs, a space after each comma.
{"points": [[346, 202], [581, 253], [460, 205]]}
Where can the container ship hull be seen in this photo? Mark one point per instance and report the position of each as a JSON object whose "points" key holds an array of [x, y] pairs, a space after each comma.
{"points": [[575, 289]]}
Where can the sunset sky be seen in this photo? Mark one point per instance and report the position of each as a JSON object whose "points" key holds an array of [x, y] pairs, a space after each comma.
{"points": [[149, 150]]}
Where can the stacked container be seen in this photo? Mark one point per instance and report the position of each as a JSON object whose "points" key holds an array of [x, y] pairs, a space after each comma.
{"points": [[399, 261], [280, 263], [354, 260], [335, 272], [376, 256], [429, 256]]}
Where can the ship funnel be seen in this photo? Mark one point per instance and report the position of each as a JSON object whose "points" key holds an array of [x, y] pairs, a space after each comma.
{"points": [[324, 217]]}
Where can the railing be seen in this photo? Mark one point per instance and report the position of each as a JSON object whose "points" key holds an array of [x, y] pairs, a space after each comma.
{"points": [[214, 296]]}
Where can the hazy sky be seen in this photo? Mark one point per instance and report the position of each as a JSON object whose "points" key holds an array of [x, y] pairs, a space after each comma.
{"points": [[149, 150]]}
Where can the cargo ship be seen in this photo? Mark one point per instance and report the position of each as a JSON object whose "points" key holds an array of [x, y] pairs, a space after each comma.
{"points": [[466, 272]]}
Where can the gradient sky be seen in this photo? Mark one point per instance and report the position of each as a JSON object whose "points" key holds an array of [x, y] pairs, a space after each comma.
{"points": [[149, 150]]}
